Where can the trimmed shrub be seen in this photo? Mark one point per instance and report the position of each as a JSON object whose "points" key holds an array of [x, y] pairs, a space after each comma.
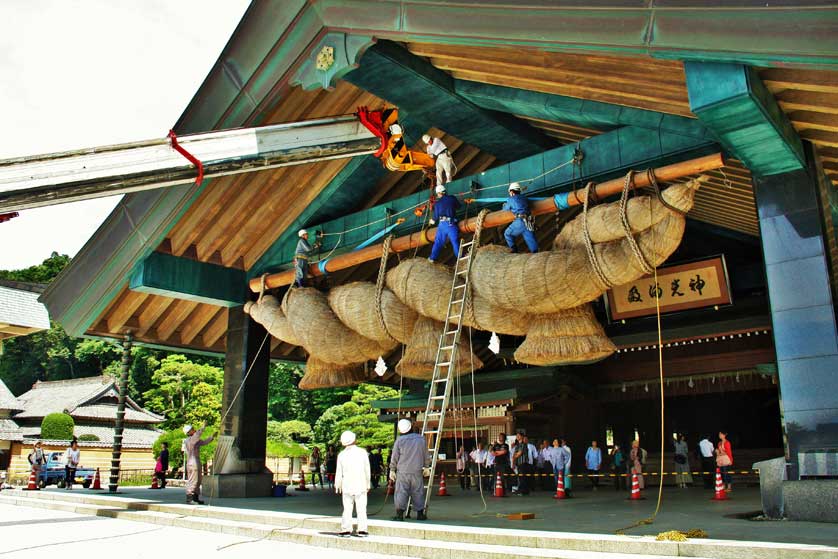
{"points": [[89, 437], [57, 427], [175, 438]]}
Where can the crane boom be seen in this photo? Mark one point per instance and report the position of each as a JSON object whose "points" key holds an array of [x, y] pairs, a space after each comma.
{"points": [[57, 178]]}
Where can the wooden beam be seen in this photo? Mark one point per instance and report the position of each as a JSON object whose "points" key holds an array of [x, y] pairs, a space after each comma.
{"points": [[183, 278], [494, 219]]}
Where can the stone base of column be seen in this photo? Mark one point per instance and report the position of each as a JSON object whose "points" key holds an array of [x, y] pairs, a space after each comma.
{"points": [[237, 485]]}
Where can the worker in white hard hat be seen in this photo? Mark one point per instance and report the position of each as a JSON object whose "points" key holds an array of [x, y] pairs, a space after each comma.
{"points": [[445, 213], [444, 162], [408, 461], [523, 225], [192, 445], [352, 482], [301, 257]]}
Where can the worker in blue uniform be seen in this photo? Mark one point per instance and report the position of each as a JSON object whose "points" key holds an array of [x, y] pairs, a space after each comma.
{"points": [[518, 204], [302, 255], [445, 212]]}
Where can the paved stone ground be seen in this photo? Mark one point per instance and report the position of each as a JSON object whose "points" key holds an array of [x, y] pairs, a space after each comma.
{"points": [[600, 512], [39, 533]]}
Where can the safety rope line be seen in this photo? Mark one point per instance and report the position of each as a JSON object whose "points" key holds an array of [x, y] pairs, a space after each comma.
{"points": [[632, 242], [379, 286], [656, 189], [589, 247]]}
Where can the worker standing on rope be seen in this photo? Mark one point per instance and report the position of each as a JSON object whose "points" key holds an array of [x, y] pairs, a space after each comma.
{"points": [[301, 257], [445, 212], [408, 462], [444, 162], [524, 224]]}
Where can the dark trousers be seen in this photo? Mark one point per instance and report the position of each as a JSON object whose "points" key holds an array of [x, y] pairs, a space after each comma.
{"points": [[619, 480], [375, 479], [317, 475], [524, 471], [506, 475], [465, 480], [545, 478], [488, 474], [69, 476], [161, 477], [708, 466], [594, 477]]}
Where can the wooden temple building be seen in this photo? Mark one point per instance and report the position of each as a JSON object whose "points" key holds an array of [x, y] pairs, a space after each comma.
{"points": [[747, 298]]}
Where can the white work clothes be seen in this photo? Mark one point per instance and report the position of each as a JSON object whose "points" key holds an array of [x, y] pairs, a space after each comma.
{"points": [[360, 504], [352, 479], [706, 448], [444, 162], [352, 476], [479, 456], [435, 147]]}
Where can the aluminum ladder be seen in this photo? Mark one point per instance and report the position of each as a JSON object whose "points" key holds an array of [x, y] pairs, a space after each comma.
{"points": [[446, 354]]}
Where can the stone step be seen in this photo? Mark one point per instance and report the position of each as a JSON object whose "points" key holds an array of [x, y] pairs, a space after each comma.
{"points": [[441, 535], [390, 545]]}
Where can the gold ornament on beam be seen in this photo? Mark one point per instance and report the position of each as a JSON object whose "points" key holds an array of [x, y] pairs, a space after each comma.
{"points": [[325, 58]]}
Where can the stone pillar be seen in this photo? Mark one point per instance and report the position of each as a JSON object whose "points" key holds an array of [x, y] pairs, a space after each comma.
{"points": [[243, 473], [802, 312]]}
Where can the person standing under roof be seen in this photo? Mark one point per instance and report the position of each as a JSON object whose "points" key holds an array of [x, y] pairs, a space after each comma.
{"points": [[437, 149], [593, 463], [352, 482], [408, 462], [302, 255], [519, 205], [193, 462], [445, 212]]}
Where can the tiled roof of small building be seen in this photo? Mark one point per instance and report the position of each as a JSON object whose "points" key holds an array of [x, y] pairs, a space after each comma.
{"points": [[8, 401]]}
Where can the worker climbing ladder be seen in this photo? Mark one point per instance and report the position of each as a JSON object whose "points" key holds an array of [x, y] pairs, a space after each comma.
{"points": [[445, 364]]}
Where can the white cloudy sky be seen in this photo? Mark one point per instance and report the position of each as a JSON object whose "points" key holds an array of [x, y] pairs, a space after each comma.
{"points": [[80, 73]]}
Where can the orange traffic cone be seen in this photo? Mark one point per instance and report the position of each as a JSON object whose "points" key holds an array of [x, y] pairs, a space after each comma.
{"points": [[33, 483], [443, 491], [499, 487], [302, 486], [154, 482], [635, 488], [560, 488], [391, 487], [97, 482], [721, 494]]}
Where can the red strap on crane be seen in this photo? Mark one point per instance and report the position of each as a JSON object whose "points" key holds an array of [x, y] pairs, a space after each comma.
{"points": [[8, 216], [192, 159]]}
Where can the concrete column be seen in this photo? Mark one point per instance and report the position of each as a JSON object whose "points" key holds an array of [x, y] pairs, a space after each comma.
{"points": [[243, 473], [805, 336]]}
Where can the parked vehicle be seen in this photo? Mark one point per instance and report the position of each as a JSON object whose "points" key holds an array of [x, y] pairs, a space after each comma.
{"points": [[53, 472]]}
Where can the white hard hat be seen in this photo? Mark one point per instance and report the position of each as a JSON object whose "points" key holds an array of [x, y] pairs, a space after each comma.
{"points": [[302, 232], [347, 438], [404, 426], [186, 429], [426, 138], [440, 189], [515, 186]]}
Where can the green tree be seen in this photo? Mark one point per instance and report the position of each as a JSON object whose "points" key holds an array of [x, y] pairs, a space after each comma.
{"points": [[286, 401], [97, 355], [44, 272], [57, 427], [359, 417], [185, 392], [292, 430]]}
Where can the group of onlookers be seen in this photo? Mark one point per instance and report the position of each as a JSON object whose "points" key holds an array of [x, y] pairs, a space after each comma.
{"points": [[519, 459], [38, 460]]}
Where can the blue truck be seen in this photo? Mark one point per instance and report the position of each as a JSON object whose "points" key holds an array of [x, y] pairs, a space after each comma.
{"points": [[53, 472]]}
